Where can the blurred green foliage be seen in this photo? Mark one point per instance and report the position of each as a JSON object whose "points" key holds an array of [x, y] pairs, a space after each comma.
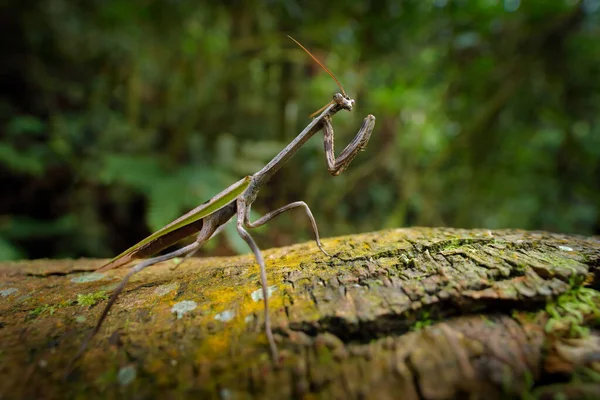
{"points": [[119, 115]]}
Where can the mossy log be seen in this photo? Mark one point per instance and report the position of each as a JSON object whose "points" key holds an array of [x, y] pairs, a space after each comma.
{"points": [[416, 313]]}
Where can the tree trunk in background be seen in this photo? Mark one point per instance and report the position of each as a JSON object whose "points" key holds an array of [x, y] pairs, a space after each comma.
{"points": [[406, 314]]}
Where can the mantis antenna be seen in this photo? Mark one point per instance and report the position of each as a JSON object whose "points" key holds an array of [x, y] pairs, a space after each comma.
{"points": [[321, 109], [322, 66]]}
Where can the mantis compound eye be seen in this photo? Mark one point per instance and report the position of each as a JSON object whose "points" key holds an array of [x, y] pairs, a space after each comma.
{"points": [[338, 98]]}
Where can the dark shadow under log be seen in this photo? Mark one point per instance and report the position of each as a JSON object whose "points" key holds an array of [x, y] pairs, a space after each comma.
{"points": [[416, 313]]}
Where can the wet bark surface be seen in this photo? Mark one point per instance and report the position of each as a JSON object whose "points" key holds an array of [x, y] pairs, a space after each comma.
{"points": [[416, 313]]}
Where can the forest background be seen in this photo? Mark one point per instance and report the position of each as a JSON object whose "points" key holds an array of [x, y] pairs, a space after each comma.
{"points": [[117, 116]]}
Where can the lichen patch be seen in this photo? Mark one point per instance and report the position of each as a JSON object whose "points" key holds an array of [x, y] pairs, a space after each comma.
{"points": [[258, 294], [126, 375], [165, 289], [225, 316], [183, 307], [8, 292], [94, 276]]}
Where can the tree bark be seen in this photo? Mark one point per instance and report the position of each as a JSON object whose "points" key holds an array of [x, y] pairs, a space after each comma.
{"points": [[418, 313]]}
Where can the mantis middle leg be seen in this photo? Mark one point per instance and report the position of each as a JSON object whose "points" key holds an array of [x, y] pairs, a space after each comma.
{"points": [[244, 222], [242, 215], [267, 217]]}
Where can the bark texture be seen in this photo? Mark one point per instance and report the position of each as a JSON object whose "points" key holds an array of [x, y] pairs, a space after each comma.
{"points": [[417, 313]]}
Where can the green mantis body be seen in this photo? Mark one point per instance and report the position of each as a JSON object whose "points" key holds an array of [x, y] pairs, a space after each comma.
{"points": [[207, 219]]}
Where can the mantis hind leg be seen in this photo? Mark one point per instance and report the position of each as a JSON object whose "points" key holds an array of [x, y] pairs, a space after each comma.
{"points": [[192, 252], [132, 271], [204, 235]]}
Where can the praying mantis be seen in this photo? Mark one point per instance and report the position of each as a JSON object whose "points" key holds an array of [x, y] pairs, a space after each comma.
{"points": [[208, 219]]}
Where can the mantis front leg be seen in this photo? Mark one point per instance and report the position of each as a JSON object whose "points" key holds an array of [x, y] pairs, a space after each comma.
{"points": [[357, 144], [335, 167]]}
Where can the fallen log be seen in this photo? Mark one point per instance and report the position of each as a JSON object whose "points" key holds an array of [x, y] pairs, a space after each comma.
{"points": [[419, 313]]}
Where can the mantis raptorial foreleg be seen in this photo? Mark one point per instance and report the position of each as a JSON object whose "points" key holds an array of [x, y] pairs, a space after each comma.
{"points": [[336, 166]]}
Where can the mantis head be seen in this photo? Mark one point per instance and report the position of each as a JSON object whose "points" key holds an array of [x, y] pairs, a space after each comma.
{"points": [[343, 101]]}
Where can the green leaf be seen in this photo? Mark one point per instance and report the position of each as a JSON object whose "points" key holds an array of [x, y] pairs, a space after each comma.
{"points": [[8, 252], [28, 162], [25, 124]]}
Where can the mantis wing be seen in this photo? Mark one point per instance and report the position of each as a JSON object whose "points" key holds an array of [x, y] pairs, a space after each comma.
{"points": [[182, 227]]}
